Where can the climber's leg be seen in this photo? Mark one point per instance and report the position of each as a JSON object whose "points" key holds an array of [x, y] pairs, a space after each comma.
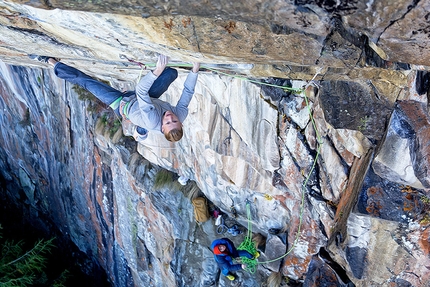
{"points": [[102, 91], [162, 83], [244, 253]]}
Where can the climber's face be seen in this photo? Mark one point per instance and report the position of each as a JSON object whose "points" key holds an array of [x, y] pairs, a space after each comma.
{"points": [[170, 121], [222, 248]]}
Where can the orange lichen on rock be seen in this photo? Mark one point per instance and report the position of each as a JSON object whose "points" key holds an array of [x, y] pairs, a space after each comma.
{"points": [[424, 241]]}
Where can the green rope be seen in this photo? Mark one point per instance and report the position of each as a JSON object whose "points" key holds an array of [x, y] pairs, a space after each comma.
{"points": [[291, 89], [218, 71], [248, 244]]}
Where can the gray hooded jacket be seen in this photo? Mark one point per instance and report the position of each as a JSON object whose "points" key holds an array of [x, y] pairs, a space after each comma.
{"points": [[148, 112]]}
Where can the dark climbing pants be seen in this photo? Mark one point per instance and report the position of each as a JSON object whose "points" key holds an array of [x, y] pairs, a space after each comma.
{"points": [[106, 93], [227, 266]]}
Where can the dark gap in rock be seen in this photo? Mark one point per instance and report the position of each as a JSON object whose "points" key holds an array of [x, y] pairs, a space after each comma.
{"points": [[281, 29], [422, 82], [313, 182], [335, 266], [294, 283], [362, 41], [286, 30], [372, 58], [48, 4], [332, 6], [275, 93], [260, 240], [278, 181], [345, 166], [324, 45], [21, 221], [34, 32], [321, 226]]}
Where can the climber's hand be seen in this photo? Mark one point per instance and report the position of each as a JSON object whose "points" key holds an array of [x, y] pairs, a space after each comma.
{"points": [[196, 67], [161, 65]]}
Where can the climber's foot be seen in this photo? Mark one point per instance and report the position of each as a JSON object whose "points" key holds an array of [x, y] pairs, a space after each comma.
{"points": [[43, 59]]}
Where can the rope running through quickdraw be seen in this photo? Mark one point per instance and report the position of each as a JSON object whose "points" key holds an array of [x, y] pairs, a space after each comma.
{"points": [[144, 66], [248, 244], [140, 64], [218, 71]]}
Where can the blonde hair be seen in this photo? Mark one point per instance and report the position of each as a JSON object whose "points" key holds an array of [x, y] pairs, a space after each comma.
{"points": [[174, 135]]}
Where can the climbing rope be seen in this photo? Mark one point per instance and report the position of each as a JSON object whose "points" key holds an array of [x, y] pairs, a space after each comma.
{"points": [[248, 244], [144, 66]]}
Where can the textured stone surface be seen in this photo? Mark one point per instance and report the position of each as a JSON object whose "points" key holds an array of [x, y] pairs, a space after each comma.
{"points": [[321, 274], [365, 244], [350, 105], [40, 141], [387, 200], [242, 142], [404, 157], [419, 120], [307, 20]]}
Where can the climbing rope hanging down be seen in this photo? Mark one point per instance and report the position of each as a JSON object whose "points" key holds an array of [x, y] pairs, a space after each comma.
{"points": [[248, 244]]}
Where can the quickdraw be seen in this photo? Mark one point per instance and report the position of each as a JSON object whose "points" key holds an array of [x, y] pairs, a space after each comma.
{"points": [[248, 244]]}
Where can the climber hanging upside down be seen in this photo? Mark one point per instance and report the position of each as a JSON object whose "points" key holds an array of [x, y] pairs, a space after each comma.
{"points": [[224, 253], [142, 107]]}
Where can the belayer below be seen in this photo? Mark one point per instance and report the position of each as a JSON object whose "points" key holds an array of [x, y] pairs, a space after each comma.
{"points": [[224, 253]]}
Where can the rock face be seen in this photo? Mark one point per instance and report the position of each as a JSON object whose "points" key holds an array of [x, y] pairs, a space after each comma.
{"points": [[335, 178]]}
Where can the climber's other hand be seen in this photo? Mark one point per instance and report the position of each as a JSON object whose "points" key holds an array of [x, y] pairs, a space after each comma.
{"points": [[162, 62], [196, 67]]}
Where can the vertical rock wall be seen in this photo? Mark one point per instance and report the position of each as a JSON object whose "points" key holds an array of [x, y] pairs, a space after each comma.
{"points": [[243, 142]]}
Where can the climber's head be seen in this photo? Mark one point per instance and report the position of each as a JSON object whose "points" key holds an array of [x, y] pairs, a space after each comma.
{"points": [[220, 249], [171, 127]]}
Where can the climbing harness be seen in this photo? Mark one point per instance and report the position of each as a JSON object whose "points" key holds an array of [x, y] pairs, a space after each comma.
{"points": [[248, 244]]}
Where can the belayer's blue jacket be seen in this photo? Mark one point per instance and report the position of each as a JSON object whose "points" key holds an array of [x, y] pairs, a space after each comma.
{"points": [[225, 261]]}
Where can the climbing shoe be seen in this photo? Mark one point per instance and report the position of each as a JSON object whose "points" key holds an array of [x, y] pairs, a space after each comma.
{"points": [[183, 180], [43, 59], [140, 134], [231, 277]]}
